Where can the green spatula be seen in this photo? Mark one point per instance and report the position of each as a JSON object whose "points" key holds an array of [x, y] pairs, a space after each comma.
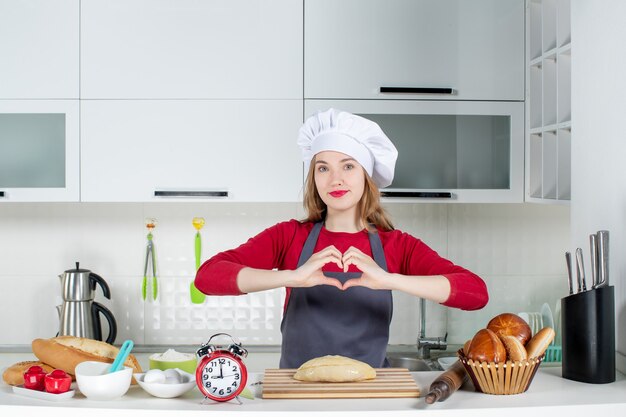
{"points": [[197, 297]]}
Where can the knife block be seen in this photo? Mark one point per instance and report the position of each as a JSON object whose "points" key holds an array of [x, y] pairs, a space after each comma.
{"points": [[588, 336]]}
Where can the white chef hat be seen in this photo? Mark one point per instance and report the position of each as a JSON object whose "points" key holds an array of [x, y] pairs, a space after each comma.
{"points": [[356, 136]]}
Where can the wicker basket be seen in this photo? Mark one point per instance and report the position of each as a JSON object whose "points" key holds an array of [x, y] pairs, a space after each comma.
{"points": [[501, 378]]}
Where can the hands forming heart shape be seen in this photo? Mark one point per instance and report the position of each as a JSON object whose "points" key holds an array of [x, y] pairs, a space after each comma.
{"points": [[310, 274]]}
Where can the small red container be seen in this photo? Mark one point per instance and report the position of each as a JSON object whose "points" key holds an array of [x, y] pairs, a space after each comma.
{"points": [[57, 382], [34, 378]]}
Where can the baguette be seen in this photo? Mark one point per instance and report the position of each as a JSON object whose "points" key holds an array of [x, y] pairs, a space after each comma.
{"points": [[65, 352], [14, 374], [540, 342]]}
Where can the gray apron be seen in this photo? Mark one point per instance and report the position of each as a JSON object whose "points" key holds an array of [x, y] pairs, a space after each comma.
{"points": [[324, 320]]}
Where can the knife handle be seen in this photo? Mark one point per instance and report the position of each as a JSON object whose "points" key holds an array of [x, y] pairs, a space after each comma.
{"points": [[593, 248], [570, 282], [603, 258], [580, 270]]}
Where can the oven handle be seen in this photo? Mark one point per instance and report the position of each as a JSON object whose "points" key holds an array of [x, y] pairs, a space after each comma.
{"points": [[417, 90]]}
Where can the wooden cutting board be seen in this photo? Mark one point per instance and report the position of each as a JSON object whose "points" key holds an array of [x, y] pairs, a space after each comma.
{"points": [[389, 383]]}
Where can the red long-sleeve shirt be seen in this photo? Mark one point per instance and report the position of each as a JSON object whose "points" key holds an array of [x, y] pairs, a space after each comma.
{"points": [[280, 245]]}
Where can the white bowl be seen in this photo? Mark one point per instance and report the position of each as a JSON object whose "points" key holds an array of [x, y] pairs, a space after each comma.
{"points": [[448, 361], [165, 390], [96, 383]]}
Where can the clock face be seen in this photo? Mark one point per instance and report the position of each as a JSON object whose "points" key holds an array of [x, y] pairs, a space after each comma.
{"points": [[221, 377]]}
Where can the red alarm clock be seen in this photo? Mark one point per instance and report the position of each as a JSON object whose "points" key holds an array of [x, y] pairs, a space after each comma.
{"points": [[221, 374]]}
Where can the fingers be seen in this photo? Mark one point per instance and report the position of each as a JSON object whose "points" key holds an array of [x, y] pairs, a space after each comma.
{"points": [[329, 254], [355, 282], [355, 257], [332, 282]]}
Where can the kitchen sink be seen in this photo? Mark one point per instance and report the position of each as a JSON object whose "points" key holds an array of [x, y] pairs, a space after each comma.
{"points": [[412, 362]]}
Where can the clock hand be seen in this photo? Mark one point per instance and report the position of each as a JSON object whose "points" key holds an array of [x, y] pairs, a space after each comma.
{"points": [[221, 371]]}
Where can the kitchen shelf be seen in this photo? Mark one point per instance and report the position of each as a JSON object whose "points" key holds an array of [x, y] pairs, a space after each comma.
{"points": [[548, 101]]}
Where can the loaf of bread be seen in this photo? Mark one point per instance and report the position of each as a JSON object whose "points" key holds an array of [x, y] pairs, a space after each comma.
{"points": [[509, 324], [14, 374], [334, 369], [515, 351], [65, 352], [486, 346], [540, 342]]}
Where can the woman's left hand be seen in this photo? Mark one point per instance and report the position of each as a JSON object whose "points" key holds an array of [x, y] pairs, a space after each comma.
{"points": [[373, 277]]}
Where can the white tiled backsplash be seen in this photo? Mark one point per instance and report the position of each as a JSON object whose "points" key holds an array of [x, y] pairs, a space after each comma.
{"points": [[517, 248]]}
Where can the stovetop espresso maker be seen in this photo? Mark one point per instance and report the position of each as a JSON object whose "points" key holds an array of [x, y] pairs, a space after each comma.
{"points": [[79, 315]]}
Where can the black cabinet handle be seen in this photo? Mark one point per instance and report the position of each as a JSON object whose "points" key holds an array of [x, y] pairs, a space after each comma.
{"points": [[1, 193], [416, 194], [216, 193], [417, 90]]}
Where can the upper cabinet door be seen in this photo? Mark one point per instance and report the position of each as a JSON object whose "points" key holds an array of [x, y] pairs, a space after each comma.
{"points": [[39, 150], [475, 48], [39, 49], [234, 49], [207, 150]]}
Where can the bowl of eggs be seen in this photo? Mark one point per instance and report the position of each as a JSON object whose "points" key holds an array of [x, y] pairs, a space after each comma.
{"points": [[169, 383]]}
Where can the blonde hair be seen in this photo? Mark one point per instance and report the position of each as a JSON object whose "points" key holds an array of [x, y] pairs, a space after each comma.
{"points": [[369, 209]]}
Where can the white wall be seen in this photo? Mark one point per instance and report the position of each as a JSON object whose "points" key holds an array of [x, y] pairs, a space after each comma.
{"points": [[599, 139], [517, 248]]}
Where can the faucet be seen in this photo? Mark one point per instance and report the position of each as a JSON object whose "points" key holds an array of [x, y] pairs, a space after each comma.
{"points": [[425, 344]]}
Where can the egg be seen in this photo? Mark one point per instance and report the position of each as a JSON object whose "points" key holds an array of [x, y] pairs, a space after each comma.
{"points": [[154, 376], [172, 376]]}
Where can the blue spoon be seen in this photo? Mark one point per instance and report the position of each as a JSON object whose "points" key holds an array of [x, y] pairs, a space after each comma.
{"points": [[127, 346]]}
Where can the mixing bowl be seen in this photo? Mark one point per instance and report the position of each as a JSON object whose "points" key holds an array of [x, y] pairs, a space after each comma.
{"points": [[96, 383], [184, 361]]}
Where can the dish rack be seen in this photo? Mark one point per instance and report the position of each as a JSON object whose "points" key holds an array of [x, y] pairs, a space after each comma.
{"points": [[553, 354]]}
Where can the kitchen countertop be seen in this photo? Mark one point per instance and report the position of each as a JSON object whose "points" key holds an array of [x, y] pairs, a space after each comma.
{"points": [[548, 394]]}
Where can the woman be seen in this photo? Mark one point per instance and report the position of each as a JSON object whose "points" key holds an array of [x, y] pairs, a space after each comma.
{"points": [[340, 264]]}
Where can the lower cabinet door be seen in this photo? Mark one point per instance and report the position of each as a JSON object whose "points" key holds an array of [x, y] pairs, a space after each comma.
{"points": [[207, 150]]}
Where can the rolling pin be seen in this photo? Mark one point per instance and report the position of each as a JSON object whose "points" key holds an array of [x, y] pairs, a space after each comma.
{"points": [[447, 383]]}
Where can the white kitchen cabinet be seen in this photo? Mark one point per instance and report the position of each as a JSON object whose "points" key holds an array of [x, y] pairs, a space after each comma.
{"points": [[39, 49], [207, 150], [448, 151], [39, 150], [172, 49], [548, 103], [353, 48]]}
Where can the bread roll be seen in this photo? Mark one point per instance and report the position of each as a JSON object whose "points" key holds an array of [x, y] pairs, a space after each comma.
{"points": [[466, 347], [486, 346], [14, 374], [509, 324], [540, 342], [515, 351], [65, 352], [334, 369]]}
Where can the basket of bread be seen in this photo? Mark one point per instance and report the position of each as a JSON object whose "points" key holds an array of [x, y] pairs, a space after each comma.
{"points": [[503, 358]]}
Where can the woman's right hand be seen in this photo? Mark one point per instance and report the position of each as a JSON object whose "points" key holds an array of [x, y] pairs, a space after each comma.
{"points": [[310, 273]]}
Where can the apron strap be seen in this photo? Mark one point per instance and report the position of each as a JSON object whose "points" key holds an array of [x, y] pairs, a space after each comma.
{"points": [[309, 245]]}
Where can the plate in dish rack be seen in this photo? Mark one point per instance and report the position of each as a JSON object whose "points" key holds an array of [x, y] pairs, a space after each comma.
{"points": [[42, 395]]}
